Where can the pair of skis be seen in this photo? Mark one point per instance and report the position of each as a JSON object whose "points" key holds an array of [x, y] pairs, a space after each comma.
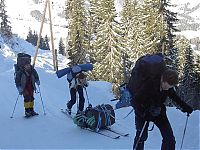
{"points": [[107, 132]]}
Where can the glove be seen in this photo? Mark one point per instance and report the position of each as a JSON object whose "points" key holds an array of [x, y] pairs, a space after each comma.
{"points": [[86, 85], [20, 90], [38, 82], [187, 109]]}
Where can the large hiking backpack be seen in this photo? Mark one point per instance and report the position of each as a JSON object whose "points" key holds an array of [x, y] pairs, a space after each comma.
{"points": [[150, 66], [125, 97], [22, 60], [103, 116], [96, 118], [146, 67]]}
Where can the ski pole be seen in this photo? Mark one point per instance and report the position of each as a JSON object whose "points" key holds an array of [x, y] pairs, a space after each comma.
{"points": [[41, 100], [87, 97], [14, 107], [77, 101], [135, 146], [115, 99], [184, 130]]}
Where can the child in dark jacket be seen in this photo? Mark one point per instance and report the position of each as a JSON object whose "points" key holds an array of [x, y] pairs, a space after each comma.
{"points": [[25, 80]]}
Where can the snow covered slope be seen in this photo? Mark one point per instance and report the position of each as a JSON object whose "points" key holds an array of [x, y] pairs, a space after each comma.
{"points": [[55, 130], [25, 14], [188, 15]]}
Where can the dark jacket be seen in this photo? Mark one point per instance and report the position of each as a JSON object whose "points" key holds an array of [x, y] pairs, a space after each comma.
{"points": [[21, 78], [147, 93]]}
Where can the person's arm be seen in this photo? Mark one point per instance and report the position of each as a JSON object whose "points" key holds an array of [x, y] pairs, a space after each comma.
{"points": [[73, 83], [183, 105], [36, 75], [18, 76]]}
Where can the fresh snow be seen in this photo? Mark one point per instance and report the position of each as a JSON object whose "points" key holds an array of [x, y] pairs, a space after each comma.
{"points": [[57, 131], [19, 12]]}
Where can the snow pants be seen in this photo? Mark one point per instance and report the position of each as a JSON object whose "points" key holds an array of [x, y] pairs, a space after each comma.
{"points": [[162, 122], [28, 96], [73, 92]]}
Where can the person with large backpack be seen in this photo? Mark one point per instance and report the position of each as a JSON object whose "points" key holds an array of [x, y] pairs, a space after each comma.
{"points": [[76, 85], [150, 84], [25, 78]]}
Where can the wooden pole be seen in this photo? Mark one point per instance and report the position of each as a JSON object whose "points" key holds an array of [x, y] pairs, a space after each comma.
{"points": [[52, 39], [38, 41]]}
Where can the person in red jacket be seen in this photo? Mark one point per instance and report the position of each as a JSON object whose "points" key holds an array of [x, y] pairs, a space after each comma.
{"points": [[25, 80]]}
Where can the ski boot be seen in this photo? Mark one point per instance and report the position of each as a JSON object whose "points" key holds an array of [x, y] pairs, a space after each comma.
{"points": [[80, 112], [33, 113], [69, 110], [28, 113]]}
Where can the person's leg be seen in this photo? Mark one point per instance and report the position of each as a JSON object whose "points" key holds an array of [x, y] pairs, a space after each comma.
{"points": [[168, 141], [73, 98], [139, 123], [81, 98], [33, 113], [27, 106]]}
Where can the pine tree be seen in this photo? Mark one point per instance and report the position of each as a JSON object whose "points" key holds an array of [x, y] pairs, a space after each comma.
{"points": [[46, 41], [93, 22], [187, 83], [5, 28], [167, 42], [181, 43], [172, 58], [169, 18], [29, 37], [109, 46], [35, 38], [42, 43], [196, 84], [129, 24], [77, 35], [61, 47]]}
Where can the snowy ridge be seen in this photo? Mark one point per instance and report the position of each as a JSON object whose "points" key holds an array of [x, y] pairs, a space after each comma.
{"points": [[24, 13]]}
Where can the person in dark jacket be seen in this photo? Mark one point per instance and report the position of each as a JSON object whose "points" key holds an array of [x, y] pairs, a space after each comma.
{"points": [[25, 80], [148, 102]]}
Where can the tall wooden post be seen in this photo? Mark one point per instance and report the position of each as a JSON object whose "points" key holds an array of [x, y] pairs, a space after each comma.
{"points": [[51, 30], [52, 40], [41, 27]]}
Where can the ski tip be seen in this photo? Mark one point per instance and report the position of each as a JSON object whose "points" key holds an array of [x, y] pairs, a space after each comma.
{"points": [[126, 134], [117, 137]]}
